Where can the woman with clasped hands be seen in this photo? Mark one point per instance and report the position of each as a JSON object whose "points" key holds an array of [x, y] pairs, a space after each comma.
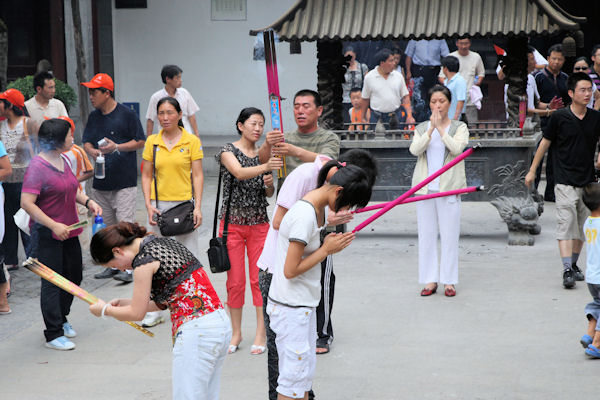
{"points": [[437, 142]]}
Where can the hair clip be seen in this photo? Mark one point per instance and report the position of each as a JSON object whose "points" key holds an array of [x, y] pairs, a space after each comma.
{"points": [[341, 164]]}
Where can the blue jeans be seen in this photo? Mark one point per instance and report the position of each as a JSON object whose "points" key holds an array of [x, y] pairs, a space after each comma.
{"points": [[198, 355], [385, 117]]}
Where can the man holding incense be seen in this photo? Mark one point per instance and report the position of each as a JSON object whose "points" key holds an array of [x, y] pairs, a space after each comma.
{"points": [[300, 146], [49, 195]]}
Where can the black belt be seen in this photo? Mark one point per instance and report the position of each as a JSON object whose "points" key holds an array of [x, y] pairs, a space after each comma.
{"points": [[287, 305]]}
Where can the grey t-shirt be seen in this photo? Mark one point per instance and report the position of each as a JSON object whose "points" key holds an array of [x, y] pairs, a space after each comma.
{"points": [[320, 141]]}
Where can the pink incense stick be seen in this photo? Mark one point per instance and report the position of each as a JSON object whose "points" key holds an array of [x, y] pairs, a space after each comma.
{"points": [[423, 197], [400, 199]]}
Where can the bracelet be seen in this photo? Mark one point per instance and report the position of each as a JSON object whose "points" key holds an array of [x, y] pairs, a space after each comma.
{"points": [[87, 202], [104, 310], [116, 150]]}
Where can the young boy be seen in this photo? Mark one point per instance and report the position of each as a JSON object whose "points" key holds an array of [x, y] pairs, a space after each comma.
{"points": [[171, 77], [355, 111], [591, 340]]}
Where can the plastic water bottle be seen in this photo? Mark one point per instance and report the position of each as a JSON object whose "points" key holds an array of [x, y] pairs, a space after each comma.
{"points": [[98, 224], [100, 172]]}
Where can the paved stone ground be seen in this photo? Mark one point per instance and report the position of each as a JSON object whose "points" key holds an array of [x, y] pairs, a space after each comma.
{"points": [[512, 331]]}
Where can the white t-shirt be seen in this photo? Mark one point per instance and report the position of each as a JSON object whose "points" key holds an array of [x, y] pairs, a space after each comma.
{"points": [[186, 102], [54, 109], [298, 225], [471, 66], [591, 229], [299, 182], [385, 94], [435, 157]]}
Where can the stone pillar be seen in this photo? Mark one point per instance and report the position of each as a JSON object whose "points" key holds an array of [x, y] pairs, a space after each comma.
{"points": [[330, 75], [515, 70]]}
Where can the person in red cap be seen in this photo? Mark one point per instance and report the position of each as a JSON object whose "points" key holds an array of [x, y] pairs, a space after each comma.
{"points": [[114, 131], [15, 136]]}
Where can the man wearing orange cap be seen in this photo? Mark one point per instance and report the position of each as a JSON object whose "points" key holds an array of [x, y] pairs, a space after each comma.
{"points": [[121, 131]]}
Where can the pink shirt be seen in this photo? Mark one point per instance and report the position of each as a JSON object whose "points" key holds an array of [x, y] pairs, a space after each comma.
{"points": [[55, 192], [299, 182]]}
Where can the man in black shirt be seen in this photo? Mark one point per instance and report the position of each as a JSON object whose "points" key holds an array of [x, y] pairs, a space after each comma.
{"points": [[573, 132], [552, 86], [115, 132]]}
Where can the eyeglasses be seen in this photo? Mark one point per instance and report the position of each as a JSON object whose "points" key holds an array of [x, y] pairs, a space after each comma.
{"points": [[585, 90], [580, 69]]}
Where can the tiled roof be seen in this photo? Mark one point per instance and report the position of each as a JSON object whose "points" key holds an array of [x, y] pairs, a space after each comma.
{"points": [[409, 19]]}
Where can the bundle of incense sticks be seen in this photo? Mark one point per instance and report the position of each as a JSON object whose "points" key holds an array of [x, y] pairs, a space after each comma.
{"points": [[273, 88], [56, 279], [410, 192], [423, 197], [78, 225]]}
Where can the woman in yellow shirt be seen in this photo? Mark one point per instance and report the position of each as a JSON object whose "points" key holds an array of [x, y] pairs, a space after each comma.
{"points": [[178, 173]]}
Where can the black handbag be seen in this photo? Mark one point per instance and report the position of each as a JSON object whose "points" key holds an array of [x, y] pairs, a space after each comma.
{"points": [[176, 220], [218, 258]]}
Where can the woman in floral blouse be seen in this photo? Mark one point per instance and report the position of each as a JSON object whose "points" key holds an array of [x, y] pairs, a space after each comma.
{"points": [[248, 220], [166, 274]]}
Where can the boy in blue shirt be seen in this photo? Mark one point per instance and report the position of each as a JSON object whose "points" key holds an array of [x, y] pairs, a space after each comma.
{"points": [[591, 340]]}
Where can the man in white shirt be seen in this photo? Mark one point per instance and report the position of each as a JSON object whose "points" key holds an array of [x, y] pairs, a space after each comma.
{"points": [[171, 77], [471, 66], [384, 90], [43, 104]]}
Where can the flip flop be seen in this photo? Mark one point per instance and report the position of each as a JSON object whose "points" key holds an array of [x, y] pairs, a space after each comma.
{"points": [[5, 312], [592, 351], [256, 349], [585, 341], [232, 349]]}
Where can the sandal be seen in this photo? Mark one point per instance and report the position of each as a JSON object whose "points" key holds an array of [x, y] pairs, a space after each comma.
{"points": [[232, 349], [323, 348], [450, 292], [256, 349], [585, 341], [592, 351], [429, 291]]}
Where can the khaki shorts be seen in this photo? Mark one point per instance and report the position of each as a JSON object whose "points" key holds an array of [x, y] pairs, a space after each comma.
{"points": [[571, 213]]}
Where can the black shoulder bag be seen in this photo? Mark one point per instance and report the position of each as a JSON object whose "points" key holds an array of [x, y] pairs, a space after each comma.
{"points": [[217, 252], [176, 220]]}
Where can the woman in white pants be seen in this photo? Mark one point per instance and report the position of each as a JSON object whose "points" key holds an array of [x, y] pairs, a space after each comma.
{"points": [[437, 142]]}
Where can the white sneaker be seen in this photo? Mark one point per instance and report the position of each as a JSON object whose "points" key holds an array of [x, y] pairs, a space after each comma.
{"points": [[68, 330], [60, 343], [152, 318]]}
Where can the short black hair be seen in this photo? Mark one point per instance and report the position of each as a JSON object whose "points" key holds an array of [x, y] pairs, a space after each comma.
{"points": [[382, 56], [440, 88], [451, 63], [52, 133], [104, 90], [463, 36], [530, 49], [576, 77], [591, 196], [245, 114], [169, 71], [363, 159], [19, 112], [582, 58], [556, 48], [355, 89], [595, 49], [39, 79], [307, 92]]}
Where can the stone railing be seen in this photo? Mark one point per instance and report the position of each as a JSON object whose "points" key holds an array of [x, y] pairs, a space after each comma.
{"points": [[500, 165]]}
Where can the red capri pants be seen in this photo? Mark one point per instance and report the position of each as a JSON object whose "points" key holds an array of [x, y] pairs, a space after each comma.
{"points": [[243, 239]]}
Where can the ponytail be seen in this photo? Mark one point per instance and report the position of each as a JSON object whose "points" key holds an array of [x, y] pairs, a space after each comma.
{"points": [[113, 236], [356, 184]]}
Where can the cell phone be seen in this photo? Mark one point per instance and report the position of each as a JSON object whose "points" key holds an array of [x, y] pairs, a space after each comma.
{"points": [[102, 142]]}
